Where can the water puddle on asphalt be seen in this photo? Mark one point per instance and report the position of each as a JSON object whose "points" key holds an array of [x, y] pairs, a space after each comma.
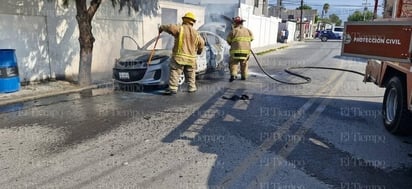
{"points": [[55, 99], [12, 108]]}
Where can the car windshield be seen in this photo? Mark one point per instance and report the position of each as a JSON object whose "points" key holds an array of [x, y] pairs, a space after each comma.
{"points": [[166, 42], [210, 39]]}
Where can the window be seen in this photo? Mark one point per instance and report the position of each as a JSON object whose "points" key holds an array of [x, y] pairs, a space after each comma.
{"points": [[256, 3], [338, 29]]}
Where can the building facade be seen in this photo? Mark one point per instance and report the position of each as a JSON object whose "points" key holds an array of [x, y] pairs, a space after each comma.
{"points": [[45, 36], [293, 15]]}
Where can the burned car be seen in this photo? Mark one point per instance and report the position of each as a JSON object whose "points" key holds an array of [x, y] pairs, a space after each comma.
{"points": [[132, 67]]}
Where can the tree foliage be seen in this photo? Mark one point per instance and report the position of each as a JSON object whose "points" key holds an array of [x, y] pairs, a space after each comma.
{"points": [[361, 16], [317, 18], [321, 21], [143, 7], [325, 9], [304, 7], [335, 19]]}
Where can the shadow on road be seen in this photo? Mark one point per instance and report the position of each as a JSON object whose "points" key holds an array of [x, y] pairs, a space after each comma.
{"points": [[269, 142]]}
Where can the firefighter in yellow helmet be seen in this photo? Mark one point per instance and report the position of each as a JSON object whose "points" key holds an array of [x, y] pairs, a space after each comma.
{"points": [[239, 40], [188, 43]]}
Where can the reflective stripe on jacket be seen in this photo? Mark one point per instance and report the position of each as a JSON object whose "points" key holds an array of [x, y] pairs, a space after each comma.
{"points": [[239, 40], [188, 43]]}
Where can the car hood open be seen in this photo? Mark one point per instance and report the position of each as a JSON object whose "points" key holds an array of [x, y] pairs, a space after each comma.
{"points": [[143, 55]]}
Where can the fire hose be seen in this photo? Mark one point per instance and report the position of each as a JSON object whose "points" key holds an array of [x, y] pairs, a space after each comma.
{"points": [[305, 78], [153, 50], [287, 70]]}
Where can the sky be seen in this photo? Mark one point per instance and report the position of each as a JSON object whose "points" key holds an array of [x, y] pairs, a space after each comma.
{"points": [[342, 8]]}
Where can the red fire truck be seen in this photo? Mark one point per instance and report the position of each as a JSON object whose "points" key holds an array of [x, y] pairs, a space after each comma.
{"points": [[387, 43]]}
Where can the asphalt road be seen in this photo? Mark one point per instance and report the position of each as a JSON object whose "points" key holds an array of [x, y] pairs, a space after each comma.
{"points": [[326, 134]]}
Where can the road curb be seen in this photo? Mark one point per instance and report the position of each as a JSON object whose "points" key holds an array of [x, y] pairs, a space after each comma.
{"points": [[54, 93], [268, 49]]}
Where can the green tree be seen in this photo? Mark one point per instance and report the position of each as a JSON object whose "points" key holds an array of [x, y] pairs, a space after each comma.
{"points": [[317, 19], [325, 9], [304, 7], [360, 16], [84, 17], [322, 20], [335, 19]]}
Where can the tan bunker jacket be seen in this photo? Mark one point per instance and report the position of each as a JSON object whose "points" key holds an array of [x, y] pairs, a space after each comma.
{"points": [[188, 43], [239, 39]]}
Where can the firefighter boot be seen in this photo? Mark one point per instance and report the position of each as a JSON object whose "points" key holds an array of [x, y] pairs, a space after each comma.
{"points": [[170, 92], [232, 78]]}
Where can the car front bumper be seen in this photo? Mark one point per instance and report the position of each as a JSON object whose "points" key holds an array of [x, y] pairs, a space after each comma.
{"points": [[157, 74]]}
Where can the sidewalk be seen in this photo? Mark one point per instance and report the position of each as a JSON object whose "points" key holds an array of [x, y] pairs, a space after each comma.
{"points": [[270, 48], [45, 89], [54, 88]]}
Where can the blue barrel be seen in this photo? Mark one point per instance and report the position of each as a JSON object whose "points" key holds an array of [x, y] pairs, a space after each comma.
{"points": [[9, 72]]}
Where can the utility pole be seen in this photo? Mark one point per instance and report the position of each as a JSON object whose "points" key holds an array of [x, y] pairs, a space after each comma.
{"points": [[279, 8], [265, 8], [301, 21], [375, 10]]}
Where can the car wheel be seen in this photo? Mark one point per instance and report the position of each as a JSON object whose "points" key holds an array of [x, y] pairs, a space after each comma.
{"points": [[394, 110], [182, 79], [324, 39]]}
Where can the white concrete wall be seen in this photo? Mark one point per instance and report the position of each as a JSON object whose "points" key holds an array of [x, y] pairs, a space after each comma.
{"points": [[291, 27], [265, 29], [45, 36], [23, 27], [183, 8]]}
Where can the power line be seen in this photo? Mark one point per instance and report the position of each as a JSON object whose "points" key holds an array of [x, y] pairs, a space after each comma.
{"points": [[291, 2], [333, 5]]}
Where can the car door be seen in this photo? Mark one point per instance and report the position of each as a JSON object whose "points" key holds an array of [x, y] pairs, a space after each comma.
{"points": [[202, 58], [128, 46], [217, 47], [214, 50]]}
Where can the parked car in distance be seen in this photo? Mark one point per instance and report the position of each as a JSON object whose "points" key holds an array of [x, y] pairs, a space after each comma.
{"points": [[132, 68], [316, 34], [328, 34], [338, 30]]}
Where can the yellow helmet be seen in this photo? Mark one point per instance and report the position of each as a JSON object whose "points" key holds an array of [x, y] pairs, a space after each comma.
{"points": [[190, 15]]}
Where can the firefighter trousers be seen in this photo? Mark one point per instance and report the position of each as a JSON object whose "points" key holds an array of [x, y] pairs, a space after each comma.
{"points": [[176, 70], [234, 67]]}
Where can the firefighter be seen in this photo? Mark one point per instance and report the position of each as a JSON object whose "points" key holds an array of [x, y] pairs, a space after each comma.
{"points": [[239, 40], [187, 44]]}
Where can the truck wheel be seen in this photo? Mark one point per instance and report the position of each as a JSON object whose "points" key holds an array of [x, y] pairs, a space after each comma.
{"points": [[394, 110]]}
